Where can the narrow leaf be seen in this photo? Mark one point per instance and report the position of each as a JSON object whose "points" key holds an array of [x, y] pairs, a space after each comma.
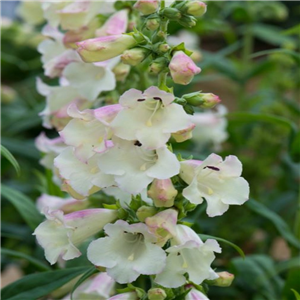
{"points": [[237, 248], [30, 259], [277, 221], [5, 152], [83, 278], [24, 205], [296, 294], [34, 286]]}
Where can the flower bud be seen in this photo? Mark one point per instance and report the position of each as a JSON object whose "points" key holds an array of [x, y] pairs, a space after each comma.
{"points": [[146, 7], [157, 65], [152, 24], [162, 192], [183, 135], [145, 211], [204, 100], [105, 47], [121, 71], [183, 68], [157, 294], [134, 56], [164, 48], [196, 8], [187, 21], [172, 13], [225, 279]]}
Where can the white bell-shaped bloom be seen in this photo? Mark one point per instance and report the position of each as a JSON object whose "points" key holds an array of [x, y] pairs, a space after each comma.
{"points": [[88, 131], [127, 252], [60, 234], [84, 178], [192, 257], [150, 117], [218, 181], [134, 166]]}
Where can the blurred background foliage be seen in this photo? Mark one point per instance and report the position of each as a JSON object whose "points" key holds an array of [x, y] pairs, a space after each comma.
{"points": [[250, 58]]}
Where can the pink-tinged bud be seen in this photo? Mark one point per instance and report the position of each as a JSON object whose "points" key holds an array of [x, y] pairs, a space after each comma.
{"points": [[183, 68], [196, 8], [204, 100], [105, 47], [145, 211], [116, 24], [134, 56], [184, 135], [195, 294], [146, 7], [164, 48], [162, 192], [152, 24], [121, 71], [157, 294], [163, 225], [225, 279]]}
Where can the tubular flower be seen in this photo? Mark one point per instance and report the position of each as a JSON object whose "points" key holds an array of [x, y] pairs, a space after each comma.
{"points": [[217, 181], [127, 252], [60, 234], [134, 167], [150, 117]]}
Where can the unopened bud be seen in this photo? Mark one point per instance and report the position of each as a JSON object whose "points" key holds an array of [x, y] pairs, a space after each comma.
{"points": [[172, 13], [146, 7], [157, 294], [121, 71], [196, 8], [183, 135], [182, 68], [225, 279], [162, 192], [157, 65], [164, 48], [204, 100], [196, 56], [152, 24], [145, 211], [134, 56], [188, 21], [105, 47]]}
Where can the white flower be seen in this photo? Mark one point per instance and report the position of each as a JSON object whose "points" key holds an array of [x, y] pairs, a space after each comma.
{"points": [[210, 127], [125, 296], [134, 167], [60, 234], [127, 252], [90, 79], [83, 178], [150, 117], [88, 131], [217, 181], [55, 56], [31, 12], [193, 257], [99, 287], [195, 295]]}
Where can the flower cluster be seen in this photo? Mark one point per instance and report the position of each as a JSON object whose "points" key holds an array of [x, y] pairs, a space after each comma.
{"points": [[124, 150]]}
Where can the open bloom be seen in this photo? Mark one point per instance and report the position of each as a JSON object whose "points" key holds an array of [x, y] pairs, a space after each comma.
{"points": [[83, 178], [60, 234], [127, 252], [134, 167], [190, 256], [105, 47], [150, 117], [183, 68], [88, 131], [217, 181]]}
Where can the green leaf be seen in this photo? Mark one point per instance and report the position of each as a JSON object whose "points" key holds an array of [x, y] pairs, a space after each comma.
{"points": [[34, 286], [30, 259], [5, 152], [24, 205], [277, 221], [237, 248], [296, 294], [83, 278]]}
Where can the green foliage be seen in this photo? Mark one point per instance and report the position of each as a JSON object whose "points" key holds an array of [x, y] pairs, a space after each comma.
{"points": [[5, 152]]}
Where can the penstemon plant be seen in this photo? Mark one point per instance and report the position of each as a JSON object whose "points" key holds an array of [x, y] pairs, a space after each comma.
{"points": [[117, 123]]}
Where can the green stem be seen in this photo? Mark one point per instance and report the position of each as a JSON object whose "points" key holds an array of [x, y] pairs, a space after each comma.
{"points": [[162, 80]]}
